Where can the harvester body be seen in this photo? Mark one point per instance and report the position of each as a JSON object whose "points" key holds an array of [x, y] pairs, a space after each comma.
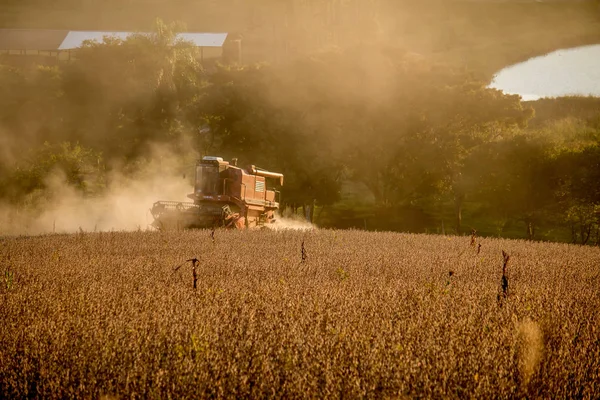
{"points": [[224, 196]]}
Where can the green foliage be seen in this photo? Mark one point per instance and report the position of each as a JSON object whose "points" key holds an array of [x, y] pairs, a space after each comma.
{"points": [[9, 278], [76, 166], [426, 142], [134, 91], [30, 102], [584, 220]]}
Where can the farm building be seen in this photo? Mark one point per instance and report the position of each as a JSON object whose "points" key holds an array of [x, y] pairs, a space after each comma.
{"points": [[49, 47]]}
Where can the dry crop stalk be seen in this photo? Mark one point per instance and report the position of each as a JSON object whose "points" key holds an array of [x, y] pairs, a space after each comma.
{"points": [[504, 281], [212, 234], [479, 249], [194, 261], [303, 253], [473, 237]]}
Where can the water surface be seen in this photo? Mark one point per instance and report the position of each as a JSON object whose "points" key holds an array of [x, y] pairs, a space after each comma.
{"points": [[567, 72]]}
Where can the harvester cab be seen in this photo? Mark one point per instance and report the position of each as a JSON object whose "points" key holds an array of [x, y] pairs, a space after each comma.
{"points": [[224, 196]]}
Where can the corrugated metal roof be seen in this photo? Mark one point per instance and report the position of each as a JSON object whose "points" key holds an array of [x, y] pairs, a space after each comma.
{"points": [[204, 39], [31, 39], [75, 39], [52, 40]]}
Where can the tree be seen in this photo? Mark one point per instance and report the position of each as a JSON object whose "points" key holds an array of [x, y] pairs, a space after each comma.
{"points": [[253, 123], [80, 167], [578, 164], [128, 93], [517, 180]]}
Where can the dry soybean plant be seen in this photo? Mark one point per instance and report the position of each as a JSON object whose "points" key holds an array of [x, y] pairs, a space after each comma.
{"points": [[108, 318]]}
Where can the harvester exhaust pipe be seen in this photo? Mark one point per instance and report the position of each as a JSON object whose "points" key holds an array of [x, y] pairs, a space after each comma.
{"points": [[234, 162], [266, 174]]}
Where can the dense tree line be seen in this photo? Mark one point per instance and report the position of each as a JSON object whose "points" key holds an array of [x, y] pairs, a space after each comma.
{"points": [[376, 137]]}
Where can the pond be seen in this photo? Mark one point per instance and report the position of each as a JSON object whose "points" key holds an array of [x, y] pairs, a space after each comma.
{"points": [[566, 72]]}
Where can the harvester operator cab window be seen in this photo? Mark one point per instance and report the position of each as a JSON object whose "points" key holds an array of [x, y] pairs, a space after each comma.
{"points": [[207, 180]]}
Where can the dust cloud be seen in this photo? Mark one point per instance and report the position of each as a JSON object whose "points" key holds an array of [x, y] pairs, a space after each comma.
{"points": [[123, 206], [291, 223]]}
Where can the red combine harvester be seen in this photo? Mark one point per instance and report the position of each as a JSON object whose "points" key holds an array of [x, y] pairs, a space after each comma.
{"points": [[224, 196]]}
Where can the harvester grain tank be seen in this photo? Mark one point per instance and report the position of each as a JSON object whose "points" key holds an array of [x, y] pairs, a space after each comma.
{"points": [[224, 196]]}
